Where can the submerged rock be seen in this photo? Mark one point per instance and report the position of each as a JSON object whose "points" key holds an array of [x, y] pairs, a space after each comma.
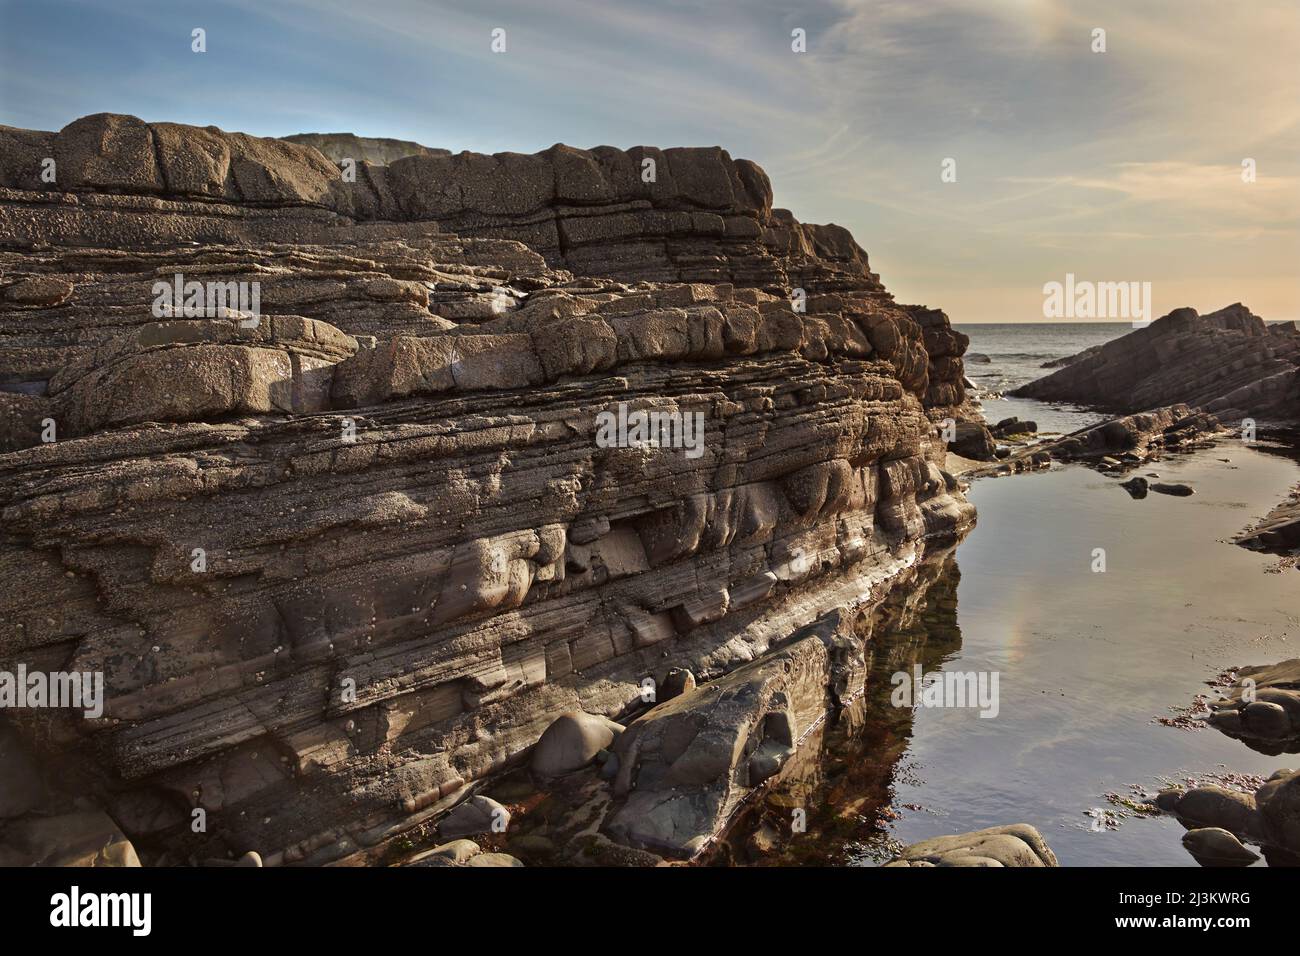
{"points": [[1013, 426], [1136, 486]]}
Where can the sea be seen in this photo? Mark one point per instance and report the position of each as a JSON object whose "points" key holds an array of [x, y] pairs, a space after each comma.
{"points": [[1018, 353]]}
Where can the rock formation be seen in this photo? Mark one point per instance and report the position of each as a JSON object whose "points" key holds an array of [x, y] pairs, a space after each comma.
{"points": [[1269, 817], [341, 556], [1114, 445], [1016, 845], [1263, 709], [1278, 532], [1229, 363]]}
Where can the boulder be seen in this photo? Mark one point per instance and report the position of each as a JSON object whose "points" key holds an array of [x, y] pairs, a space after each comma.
{"points": [[973, 440], [572, 742], [1018, 844], [687, 763], [1137, 486], [1269, 817], [1262, 708], [1229, 362], [1214, 846], [475, 816]]}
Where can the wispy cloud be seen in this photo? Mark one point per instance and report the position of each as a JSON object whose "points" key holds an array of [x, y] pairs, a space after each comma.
{"points": [[1067, 159]]}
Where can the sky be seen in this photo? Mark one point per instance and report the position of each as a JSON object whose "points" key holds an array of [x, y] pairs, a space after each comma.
{"points": [[1115, 166]]}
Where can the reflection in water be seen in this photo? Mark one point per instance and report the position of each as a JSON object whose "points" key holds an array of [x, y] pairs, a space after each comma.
{"points": [[840, 786], [1090, 664]]}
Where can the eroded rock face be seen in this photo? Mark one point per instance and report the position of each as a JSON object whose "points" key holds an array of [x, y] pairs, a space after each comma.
{"points": [[341, 564], [1229, 363], [684, 767]]}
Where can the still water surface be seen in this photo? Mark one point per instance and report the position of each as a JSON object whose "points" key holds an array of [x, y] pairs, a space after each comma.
{"points": [[1086, 662]]}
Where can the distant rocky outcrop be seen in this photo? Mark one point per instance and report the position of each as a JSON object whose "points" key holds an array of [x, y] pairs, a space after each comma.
{"points": [[1229, 363], [343, 559]]}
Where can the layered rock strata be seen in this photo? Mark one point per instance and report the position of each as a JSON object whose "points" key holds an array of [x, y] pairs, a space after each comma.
{"points": [[1230, 363], [342, 557]]}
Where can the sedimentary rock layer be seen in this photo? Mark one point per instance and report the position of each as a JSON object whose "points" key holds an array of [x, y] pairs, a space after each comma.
{"points": [[342, 556]]}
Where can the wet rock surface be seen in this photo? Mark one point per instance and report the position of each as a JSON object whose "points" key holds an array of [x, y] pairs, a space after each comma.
{"points": [[1115, 446], [1268, 818], [1016, 845], [1263, 708], [1278, 532]]}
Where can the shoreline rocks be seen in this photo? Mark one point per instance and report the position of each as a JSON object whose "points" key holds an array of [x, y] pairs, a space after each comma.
{"points": [[1269, 818], [1263, 708], [1115, 445], [343, 565], [1017, 845]]}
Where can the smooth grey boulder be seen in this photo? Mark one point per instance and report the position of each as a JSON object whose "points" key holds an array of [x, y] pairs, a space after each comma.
{"points": [[1213, 806], [1214, 846], [1017, 844], [462, 853], [476, 815], [572, 741]]}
